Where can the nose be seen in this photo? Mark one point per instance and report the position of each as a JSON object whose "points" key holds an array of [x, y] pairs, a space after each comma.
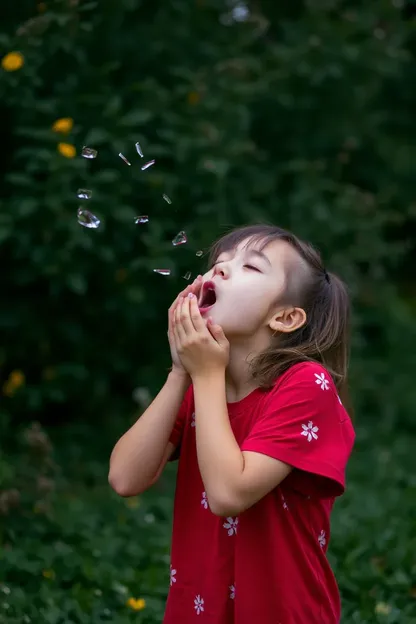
{"points": [[222, 270]]}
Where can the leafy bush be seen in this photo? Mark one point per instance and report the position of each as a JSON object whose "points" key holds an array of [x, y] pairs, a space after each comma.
{"points": [[300, 115], [77, 553]]}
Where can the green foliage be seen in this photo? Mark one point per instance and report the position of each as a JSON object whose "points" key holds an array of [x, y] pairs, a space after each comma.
{"points": [[298, 115], [75, 553]]}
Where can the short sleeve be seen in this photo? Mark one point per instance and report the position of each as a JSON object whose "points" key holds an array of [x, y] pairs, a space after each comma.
{"points": [[177, 431], [305, 425]]}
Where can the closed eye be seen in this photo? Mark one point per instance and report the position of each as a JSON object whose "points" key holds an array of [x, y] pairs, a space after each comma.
{"points": [[253, 268]]}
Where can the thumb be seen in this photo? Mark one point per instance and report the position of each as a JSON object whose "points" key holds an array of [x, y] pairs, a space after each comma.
{"points": [[217, 332]]}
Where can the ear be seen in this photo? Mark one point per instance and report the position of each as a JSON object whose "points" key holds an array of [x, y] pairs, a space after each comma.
{"points": [[287, 320]]}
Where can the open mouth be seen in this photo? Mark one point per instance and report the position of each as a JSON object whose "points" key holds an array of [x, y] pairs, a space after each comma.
{"points": [[208, 296]]}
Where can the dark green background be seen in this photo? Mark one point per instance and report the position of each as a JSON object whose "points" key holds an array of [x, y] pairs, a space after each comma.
{"points": [[302, 115]]}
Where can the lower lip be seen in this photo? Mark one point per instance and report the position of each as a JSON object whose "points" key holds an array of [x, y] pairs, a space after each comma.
{"points": [[206, 308]]}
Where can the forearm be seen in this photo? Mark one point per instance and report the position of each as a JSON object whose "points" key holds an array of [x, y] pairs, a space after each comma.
{"points": [[137, 456], [220, 460]]}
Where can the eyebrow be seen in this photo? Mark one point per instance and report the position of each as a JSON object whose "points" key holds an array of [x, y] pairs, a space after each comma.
{"points": [[253, 252], [259, 254]]}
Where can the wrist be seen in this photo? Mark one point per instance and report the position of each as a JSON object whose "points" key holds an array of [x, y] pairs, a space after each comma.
{"points": [[210, 377], [180, 377]]}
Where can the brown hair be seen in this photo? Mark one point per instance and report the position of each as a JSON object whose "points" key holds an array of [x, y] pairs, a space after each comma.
{"points": [[325, 336]]}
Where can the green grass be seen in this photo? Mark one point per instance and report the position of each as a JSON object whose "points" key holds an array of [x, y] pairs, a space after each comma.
{"points": [[78, 554]]}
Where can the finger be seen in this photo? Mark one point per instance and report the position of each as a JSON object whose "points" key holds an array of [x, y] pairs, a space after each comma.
{"points": [[195, 315], [185, 315], [217, 332], [180, 331], [194, 287]]}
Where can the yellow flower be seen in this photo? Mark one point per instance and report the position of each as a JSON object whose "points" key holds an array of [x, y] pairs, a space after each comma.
{"points": [[67, 150], [15, 380], [63, 125], [12, 61], [137, 604], [48, 574]]}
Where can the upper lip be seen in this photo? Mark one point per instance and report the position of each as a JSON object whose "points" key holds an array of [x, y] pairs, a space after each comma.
{"points": [[209, 285]]}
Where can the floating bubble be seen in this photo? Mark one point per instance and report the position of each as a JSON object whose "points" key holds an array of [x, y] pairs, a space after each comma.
{"points": [[167, 199], [162, 271], [199, 253], [125, 159], [187, 276], [89, 152], [87, 219], [143, 219], [180, 239], [139, 149], [148, 164], [84, 194]]}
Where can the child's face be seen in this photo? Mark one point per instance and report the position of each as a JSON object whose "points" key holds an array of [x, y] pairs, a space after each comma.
{"points": [[247, 285]]}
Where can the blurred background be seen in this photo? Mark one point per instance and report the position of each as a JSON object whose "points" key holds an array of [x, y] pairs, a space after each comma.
{"points": [[298, 113]]}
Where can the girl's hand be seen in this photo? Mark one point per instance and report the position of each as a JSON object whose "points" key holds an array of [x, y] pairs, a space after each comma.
{"points": [[193, 288], [201, 346]]}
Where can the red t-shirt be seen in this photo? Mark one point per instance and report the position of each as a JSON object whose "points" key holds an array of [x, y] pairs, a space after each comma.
{"points": [[268, 565]]}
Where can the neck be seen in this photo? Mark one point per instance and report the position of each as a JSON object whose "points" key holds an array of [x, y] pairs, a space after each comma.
{"points": [[238, 380]]}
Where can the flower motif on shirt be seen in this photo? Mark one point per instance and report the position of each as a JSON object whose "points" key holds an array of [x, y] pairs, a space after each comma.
{"points": [[310, 431], [231, 526], [322, 539], [232, 591], [204, 501], [193, 423], [285, 505], [198, 604], [172, 576], [322, 381]]}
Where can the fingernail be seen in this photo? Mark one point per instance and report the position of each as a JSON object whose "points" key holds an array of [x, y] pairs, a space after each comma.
{"points": [[190, 296]]}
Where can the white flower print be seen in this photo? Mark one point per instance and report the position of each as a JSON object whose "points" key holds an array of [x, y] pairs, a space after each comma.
{"points": [[232, 591], [172, 576], [339, 399], [322, 539], [322, 381], [285, 505], [204, 501], [193, 423], [310, 431], [198, 604], [231, 525]]}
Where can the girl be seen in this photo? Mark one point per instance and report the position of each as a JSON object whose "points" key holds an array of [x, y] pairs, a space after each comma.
{"points": [[253, 408]]}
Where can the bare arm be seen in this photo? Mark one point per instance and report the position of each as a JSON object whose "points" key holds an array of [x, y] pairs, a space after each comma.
{"points": [[140, 455]]}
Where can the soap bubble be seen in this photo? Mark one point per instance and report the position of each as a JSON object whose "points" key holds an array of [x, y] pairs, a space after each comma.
{"points": [[199, 253], [187, 276], [162, 271], [89, 152], [148, 164], [84, 194], [87, 219], [180, 239], [143, 219], [139, 149], [167, 199], [125, 159]]}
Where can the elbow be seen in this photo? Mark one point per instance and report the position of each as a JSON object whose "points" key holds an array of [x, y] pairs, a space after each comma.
{"points": [[224, 506], [121, 486]]}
